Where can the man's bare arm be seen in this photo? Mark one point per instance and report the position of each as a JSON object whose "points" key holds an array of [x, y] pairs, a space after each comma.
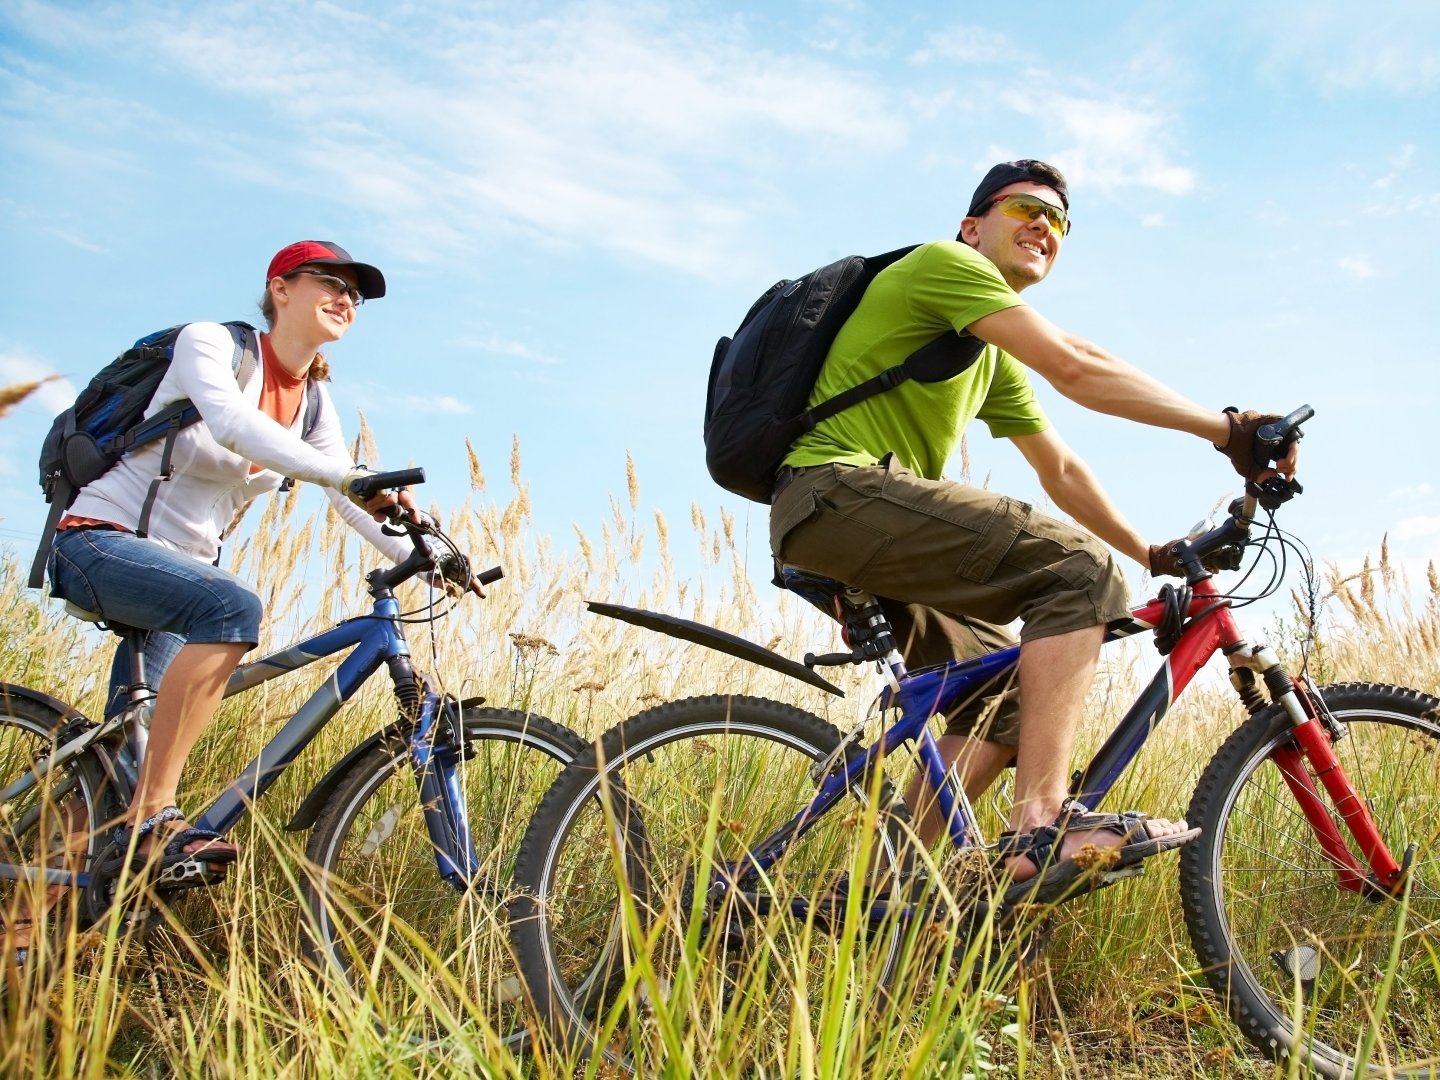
{"points": [[1073, 487], [1089, 376]]}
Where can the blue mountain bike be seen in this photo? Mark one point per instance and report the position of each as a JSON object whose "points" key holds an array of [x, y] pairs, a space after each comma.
{"points": [[411, 832], [734, 863]]}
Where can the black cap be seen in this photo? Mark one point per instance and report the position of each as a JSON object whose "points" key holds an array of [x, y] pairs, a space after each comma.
{"points": [[1013, 172]]}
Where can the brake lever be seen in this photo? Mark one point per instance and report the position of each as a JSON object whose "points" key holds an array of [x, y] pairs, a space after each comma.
{"points": [[1275, 492]]}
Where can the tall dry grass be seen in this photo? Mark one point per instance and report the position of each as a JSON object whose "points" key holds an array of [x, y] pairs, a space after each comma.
{"points": [[221, 989]]}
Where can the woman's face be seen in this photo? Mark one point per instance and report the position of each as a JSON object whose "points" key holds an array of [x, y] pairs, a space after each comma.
{"points": [[320, 299]]}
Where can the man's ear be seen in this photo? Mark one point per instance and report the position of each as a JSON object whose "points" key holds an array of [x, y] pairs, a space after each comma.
{"points": [[969, 231]]}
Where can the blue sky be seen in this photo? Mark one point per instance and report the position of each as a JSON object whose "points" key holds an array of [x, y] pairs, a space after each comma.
{"points": [[571, 202]]}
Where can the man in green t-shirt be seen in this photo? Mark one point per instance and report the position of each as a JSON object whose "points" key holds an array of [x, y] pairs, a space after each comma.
{"points": [[862, 498]]}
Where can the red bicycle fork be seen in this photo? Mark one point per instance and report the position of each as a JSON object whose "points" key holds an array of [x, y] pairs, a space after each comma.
{"points": [[1213, 628]]}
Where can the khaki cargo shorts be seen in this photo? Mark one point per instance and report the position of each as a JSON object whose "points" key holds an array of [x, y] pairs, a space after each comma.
{"points": [[954, 565]]}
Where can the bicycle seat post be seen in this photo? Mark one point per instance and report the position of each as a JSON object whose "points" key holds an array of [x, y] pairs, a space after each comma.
{"points": [[869, 633], [140, 698]]}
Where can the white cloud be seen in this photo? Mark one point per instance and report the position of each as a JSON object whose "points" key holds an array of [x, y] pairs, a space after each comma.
{"points": [[1113, 142], [1423, 204], [1356, 266], [1388, 47], [438, 403], [1417, 528], [502, 347], [602, 128], [1422, 490], [629, 128], [1153, 221], [1399, 163], [967, 44]]}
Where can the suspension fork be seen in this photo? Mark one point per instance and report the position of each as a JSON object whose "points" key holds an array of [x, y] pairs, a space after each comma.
{"points": [[1313, 745], [447, 818]]}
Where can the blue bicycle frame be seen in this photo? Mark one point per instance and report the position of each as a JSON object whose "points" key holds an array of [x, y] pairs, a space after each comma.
{"points": [[374, 639], [925, 693]]}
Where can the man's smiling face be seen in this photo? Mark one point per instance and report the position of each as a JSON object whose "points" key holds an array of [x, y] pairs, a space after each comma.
{"points": [[1023, 251]]}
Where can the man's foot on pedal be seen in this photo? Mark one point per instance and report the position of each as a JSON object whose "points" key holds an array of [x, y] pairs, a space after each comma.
{"points": [[1080, 846]]}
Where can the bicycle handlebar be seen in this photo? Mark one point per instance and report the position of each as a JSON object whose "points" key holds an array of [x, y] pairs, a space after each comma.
{"points": [[372, 485], [1281, 433], [450, 564], [1234, 531]]}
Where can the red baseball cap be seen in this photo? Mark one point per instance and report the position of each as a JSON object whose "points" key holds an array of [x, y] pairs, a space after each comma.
{"points": [[323, 253]]}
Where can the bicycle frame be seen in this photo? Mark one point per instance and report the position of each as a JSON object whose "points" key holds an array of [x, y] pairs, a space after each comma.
{"points": [[373, 639], [1211, 628]]}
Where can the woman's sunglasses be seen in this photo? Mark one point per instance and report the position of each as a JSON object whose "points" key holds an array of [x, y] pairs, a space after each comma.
{"points": [[1028, 208], [336, 285]]}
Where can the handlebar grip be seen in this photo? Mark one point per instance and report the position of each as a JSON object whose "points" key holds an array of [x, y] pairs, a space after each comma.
{"points": [[486, 577], [383, 481], [1274, 435]]}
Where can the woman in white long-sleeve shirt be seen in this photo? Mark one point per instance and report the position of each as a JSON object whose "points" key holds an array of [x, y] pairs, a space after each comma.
{"points": [[203, 619]]}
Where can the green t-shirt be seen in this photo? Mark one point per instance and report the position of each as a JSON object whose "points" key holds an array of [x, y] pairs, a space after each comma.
{"points": [[937, 286]]}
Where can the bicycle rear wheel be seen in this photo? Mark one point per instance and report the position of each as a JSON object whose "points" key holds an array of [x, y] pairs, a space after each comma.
{"points": [[635, 930], [430, 956], [1347, 981], [55, 823]]}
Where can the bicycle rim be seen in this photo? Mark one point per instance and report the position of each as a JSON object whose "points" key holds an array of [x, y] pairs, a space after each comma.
{"points": [[650, 947], [55, 824], [1348, 981], [430, 957]]}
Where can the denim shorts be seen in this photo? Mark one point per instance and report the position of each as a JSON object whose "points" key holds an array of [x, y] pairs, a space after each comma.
{"points": [[141, 583]]}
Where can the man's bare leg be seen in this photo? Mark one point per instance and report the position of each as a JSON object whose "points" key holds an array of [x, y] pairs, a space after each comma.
{"points": [[1055, 676], [977, 762]]}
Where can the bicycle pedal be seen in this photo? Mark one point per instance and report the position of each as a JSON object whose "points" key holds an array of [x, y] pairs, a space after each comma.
{"points": [[191, 874], [1110, 877]]}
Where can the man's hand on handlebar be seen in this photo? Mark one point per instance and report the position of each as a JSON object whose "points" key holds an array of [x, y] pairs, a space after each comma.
{"points": [[1246, 450], [1165, 559]]}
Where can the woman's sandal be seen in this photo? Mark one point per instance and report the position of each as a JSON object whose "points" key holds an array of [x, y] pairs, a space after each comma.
{"points": [[1058, 878], [172, 867]]}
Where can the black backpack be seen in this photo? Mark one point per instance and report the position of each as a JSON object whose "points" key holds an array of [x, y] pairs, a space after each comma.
{"points": [[761, 379], [107, 420]]}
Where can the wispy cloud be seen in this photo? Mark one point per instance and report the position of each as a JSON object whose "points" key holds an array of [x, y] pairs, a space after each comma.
{"points": [[1422, 490], [1112, 143], [967, 44], [1399, 163], [503, 347], [1391, 48], [1356, 266], [436, 403], [1417, 528], [594, 125]]}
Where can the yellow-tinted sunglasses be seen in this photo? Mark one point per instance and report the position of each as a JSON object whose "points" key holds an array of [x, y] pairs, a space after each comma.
{"points": [[1028, 208]]}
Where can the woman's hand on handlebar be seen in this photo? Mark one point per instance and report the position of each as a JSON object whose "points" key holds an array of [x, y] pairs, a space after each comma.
{"points": [[384, 505]]}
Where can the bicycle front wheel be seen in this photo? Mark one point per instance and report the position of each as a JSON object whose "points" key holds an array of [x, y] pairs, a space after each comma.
{"points": [[1346, 980], [642, 931], [430, 955], [51, 822]]}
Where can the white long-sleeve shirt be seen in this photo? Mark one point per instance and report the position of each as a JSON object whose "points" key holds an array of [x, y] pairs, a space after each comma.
{"points": [[212, 459]]}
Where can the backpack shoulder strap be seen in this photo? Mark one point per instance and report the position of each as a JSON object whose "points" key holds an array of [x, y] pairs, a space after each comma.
{"points": [[944, 358], [247, 351], [312, 408]]}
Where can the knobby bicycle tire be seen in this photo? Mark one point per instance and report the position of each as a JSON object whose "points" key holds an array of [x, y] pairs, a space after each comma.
{"points": [[1344, 981], [431, 957], [623, 938], [57, 823]]}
